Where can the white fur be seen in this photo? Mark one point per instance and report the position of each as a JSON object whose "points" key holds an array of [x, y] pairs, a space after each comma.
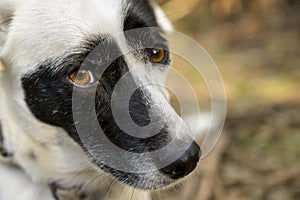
{"points": [[16, 185], [162, 18], [59, 25]]}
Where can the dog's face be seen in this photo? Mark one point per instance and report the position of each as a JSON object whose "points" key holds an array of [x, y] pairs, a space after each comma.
{"points": [[54, 49]]}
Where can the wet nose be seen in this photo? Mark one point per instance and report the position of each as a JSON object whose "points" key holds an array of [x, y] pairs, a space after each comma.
{"points": [[185, 164]]}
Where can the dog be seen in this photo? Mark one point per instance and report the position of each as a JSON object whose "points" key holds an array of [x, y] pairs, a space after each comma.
{"points": [[43, 46]]}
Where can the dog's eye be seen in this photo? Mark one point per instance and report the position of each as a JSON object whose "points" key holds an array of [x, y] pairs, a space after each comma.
{"points": [[82, 77], [158, 55]]}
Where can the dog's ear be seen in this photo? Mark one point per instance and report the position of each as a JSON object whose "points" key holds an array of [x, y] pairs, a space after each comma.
{"points": [[7, 8], [162, 19]]}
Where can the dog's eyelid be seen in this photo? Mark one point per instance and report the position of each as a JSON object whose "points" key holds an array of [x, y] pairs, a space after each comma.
{"points": [[158, 55], [86, 78]]}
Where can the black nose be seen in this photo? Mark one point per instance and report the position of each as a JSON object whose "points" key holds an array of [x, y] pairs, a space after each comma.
{"points": [[185, 164]]}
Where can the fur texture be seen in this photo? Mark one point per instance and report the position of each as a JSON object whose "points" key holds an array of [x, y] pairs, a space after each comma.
{"points": [[37, 39]]}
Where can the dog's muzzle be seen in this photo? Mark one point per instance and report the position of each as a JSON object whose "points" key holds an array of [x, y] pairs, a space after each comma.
{"points": [[186, 162]]}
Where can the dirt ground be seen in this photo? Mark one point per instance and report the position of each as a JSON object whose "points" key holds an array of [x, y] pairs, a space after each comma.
{"points": [[256, 45]]}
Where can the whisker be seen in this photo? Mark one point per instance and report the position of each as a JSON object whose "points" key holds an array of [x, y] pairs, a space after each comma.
{"points": [[123, 187], [86, 167], [93, 180], [113, 182], [174, 13], [132, 193]]}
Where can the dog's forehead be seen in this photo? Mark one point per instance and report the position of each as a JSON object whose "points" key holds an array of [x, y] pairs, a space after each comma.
{"points": [[46, 29]]}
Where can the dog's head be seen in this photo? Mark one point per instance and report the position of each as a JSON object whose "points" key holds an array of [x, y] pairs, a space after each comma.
{"points": [[68, 59]]}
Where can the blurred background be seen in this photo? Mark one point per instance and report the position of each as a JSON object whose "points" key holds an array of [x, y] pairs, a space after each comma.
{"points": [[256, 46]]}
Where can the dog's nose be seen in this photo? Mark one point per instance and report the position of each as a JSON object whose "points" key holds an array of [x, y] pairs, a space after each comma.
{"points": [[185, 164]]}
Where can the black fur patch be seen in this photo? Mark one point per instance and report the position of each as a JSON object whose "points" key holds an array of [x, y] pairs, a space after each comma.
{"points": [[48, 93], [140, 14]]}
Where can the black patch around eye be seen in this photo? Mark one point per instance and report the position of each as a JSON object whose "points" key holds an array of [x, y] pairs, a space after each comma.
{"points": [[147, 34], [48, 95], [140, 14]]}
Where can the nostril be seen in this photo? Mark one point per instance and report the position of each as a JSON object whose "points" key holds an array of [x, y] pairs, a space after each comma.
{"points": [[185, 164], [175, 171]]}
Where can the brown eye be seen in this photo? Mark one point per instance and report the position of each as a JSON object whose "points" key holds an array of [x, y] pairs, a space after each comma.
{"points": [[158, 55], [81, 77]]}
